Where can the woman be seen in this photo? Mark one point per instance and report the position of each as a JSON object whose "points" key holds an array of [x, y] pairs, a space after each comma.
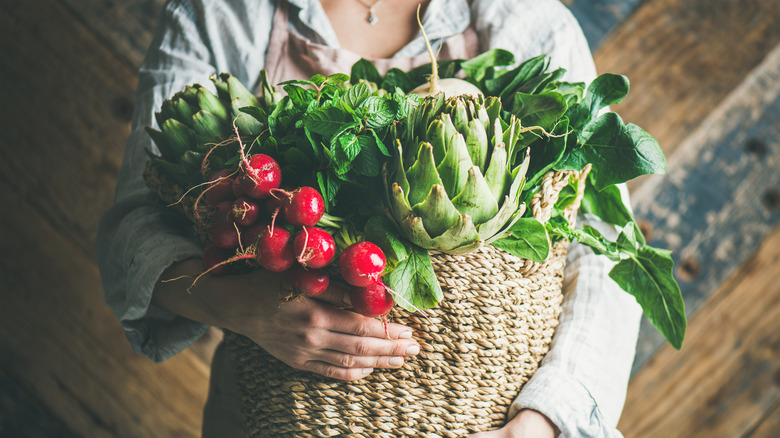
{"points": [[580, 387]]}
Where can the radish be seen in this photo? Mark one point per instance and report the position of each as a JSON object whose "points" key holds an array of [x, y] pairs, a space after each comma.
{"points": [[362, 263], [260, 174], [220, 187], [315, 247], [311, 282], [222, 211], [372, 300], [245, 211], [304, 208], [449, 86], [274, 250], [225, 235], [213, 256], [253, 233]]}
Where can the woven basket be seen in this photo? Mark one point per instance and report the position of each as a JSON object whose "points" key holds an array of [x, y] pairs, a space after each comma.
{"points": [[478, 347]]}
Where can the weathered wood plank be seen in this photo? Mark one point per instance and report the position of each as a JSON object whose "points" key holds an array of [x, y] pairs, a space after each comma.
{"points": [[22, 416], [684, 57], [721, 196], [125, 27], [769, 427], [66, 108], [724, 381], [63, 345], [598, 17]]}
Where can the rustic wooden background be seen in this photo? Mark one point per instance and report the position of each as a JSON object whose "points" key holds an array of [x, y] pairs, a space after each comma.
{"points": [[705, 81]]}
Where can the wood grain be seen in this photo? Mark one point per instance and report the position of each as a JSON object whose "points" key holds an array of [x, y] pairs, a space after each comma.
{"points": [[726, 378], [64, 346], [66, 116], [684, 57], [715, 205]]}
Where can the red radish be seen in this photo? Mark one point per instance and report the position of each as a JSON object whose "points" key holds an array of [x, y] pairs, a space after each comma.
{"points": [[219, 188], [251, 234], [222, 212], [273, 204], [304, 208], [274, 250], [314, 247], [311, 282], [260, 175], [245, 211], [225, 235], [362, 263], [213, 256], [372, 300], [236, 188]]}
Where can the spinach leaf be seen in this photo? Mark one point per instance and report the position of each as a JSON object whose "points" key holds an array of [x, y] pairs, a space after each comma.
{"points": [[618, 152], [648, 277], [607, 89], [484, 65], [539, 109], [606, 204], [527, 239], [365, 69], [414, 281]]}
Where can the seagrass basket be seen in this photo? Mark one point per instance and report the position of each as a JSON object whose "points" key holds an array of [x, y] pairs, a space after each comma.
{"points": [[478, 347]]}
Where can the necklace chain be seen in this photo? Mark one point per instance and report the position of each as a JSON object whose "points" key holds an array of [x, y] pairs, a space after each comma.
{"points": [[371, 18]]}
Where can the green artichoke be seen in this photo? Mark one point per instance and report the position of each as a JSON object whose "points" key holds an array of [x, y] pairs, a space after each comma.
{"points": [[195, 119], [453, 185]]}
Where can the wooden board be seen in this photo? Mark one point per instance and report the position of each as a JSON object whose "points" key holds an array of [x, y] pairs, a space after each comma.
{"points": [[721, 196], [65, 348], [598, 17], [724, 382], [683, 57]]}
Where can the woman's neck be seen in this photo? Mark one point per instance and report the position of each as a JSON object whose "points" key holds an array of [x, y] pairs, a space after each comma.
{"points": [[395, 25]]}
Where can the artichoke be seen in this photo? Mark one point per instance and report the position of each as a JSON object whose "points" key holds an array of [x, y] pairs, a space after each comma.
{"points": [[453, 185], [195, 119]]}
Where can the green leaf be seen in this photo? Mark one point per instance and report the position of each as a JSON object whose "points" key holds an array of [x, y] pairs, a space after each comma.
{"points": [[379, 111], [606, 204], [607, 89], [477, 68], [349, 145], [365, 69], [414, 281], [382, 232], [356, 94], [337, 78], [397, 78], [539, 109], [328, 121], [300, 97], [619, 152], [367, 163], [527, 239], [648, 277]]}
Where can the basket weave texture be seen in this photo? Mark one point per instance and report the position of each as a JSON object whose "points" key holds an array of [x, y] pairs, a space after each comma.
{"points": [[478, 347]]}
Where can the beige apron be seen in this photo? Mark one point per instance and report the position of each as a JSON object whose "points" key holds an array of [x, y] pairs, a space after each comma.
{"points": [[291, 57]]}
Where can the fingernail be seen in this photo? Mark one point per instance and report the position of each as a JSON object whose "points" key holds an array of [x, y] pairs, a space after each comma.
{"points": [[367, 371], [395, 361], [405, 335], [413, 349]]}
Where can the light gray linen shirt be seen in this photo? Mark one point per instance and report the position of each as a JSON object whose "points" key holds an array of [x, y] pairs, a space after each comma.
{"points": [[582, 381]]}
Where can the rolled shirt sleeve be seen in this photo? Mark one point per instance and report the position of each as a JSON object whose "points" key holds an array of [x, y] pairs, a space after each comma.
{"points": [[137, 237]]}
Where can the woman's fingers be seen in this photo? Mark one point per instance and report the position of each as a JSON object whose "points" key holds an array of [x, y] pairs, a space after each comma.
{"points": [[344, 360], [337, 294], [335, 372], [369, 346]]}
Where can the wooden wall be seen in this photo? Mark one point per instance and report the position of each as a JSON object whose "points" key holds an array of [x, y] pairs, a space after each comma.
{"points": [[705, 78]]}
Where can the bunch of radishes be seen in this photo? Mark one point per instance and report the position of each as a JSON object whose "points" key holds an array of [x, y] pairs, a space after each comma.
{"points": [[254, 219]]}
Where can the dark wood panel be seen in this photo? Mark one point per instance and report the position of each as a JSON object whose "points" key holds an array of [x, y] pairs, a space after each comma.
{"points": [[23, 416], [724, 381], [125, 27], [769, 427], [684, 57], [66, 108], [63, 344], [721, 196]]}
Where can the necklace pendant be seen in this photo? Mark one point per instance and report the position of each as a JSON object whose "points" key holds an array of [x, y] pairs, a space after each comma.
{"points": [[371, 18]]}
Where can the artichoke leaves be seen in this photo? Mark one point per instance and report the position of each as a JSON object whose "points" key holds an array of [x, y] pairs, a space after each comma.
{"points": [[452, 185]]}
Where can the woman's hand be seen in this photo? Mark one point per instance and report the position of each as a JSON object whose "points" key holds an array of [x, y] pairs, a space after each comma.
{"points": [[526, 424], [316, 335]]}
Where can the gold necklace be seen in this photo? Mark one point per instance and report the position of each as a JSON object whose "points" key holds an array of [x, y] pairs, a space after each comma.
{"points": [[371, 18]]}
